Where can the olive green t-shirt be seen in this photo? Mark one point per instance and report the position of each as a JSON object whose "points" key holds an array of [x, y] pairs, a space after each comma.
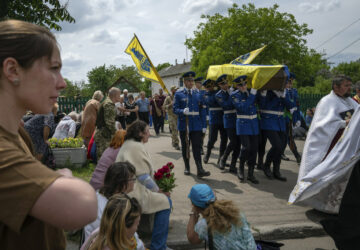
{"points": [[22, 181]]}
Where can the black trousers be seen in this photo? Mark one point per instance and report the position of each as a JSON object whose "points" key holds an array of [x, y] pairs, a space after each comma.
{"points": [[345, 228], [249, 148], [213, 135], [195, 141], [157, 123], [277, 139], [234, 144], [144, 116], [121, 119], [290, 141], [262, 145]]}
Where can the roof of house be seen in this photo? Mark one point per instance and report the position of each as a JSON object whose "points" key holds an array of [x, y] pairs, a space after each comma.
{"points": [[175, 69], [123, 83]]}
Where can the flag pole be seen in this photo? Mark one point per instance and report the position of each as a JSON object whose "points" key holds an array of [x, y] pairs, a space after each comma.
{"points": [[155, 71]]}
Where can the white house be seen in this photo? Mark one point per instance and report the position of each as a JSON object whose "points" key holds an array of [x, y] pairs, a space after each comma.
{"points": [[171, 76]]}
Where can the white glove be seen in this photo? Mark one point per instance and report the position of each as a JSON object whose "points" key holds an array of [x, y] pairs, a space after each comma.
{"points": [[279, 93], [263, 93], [186, 111], [297, 124], [204, 130], [293, 110], [253, 91]]}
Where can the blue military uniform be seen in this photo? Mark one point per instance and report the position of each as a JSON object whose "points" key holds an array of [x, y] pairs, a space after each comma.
{"points": [[247, 127], [223, 99], [292, 118], [272, 105], [215, 122], [187, 104]]}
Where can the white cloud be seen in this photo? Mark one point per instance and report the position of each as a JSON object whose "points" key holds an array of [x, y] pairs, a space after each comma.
{"points": [[308, 7], [206, 6], [103, 37]]}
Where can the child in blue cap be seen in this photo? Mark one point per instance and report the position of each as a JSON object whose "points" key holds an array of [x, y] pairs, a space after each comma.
{"points": [[222, 225]]}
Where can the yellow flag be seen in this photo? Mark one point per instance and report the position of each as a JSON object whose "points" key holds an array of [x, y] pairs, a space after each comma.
{"points": [[143, 63], [248, 57]]}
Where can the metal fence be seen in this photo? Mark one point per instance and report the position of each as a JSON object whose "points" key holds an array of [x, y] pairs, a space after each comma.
{"points": [[68, 104], [309, 101]]}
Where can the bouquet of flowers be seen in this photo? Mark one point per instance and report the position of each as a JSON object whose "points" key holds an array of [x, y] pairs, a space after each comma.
{"points": [[164, 177]]}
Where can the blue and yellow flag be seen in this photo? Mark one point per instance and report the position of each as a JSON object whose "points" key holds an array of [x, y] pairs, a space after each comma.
{"points": [[248, 57], [143, 63]]}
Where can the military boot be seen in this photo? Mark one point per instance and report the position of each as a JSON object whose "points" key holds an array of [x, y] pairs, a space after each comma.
{"points": [[200, 171], [219, 159], [251, 176], [267, 171], [233, 165], [207, 156], [187, 167], [240, 174], [224, 158], [277, 174]]}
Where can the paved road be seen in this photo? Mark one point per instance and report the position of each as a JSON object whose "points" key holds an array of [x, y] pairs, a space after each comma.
{"points": [[265, 204]]}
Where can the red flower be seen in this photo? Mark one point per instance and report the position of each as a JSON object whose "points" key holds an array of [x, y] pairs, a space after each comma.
{"points": [[165, 169], [158, 175], [170, 165]]}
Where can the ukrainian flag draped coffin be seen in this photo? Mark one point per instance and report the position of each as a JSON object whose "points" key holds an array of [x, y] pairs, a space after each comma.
{"points": [[260, 76], [143, 63]]}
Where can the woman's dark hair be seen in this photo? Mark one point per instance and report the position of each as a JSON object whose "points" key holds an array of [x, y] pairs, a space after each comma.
{"points": [[26, 42], [134, 130], [117, 177]]}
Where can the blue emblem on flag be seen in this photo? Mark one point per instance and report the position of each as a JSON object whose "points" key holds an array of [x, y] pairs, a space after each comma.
{"points": [[144, 62]]}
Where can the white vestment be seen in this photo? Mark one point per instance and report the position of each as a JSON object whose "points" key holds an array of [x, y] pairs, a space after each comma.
{"points": [[323, 186], [326, 123]]}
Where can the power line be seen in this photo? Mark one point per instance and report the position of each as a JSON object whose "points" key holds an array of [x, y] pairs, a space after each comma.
{"points": [[344, 48], [338, 33]]}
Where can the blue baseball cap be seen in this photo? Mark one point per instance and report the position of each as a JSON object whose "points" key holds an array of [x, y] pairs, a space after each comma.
{"points": [[201, 195]]}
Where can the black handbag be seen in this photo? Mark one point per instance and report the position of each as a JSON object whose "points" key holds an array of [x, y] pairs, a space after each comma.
{"points": [[48, 158], [268, 245]]}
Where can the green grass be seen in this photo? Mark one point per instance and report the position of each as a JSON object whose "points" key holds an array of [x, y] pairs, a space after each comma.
{"points": [[84, 172]]}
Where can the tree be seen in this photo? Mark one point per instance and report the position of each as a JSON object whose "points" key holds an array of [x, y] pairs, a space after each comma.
{"points": [[71, 90], [102, 77], [220, 39], [351, 69], [46, 13]]}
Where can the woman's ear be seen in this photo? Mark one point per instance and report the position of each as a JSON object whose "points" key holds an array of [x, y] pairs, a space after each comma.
{"points": [[11, 69]]}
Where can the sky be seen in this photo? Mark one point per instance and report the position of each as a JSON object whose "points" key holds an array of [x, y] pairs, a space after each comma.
{"points": [[104, 28]]}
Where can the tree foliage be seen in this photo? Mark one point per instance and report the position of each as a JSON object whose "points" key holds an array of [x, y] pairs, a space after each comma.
{"points": [[220, 39], [351, 69], [102, 77], [47, 13]]}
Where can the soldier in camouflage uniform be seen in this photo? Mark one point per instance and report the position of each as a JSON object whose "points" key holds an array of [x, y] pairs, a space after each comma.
{"points": [[168, 105], [105, 122]]}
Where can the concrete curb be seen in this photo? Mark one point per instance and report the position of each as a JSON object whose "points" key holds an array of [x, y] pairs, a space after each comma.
{"points": [[269, 232]]}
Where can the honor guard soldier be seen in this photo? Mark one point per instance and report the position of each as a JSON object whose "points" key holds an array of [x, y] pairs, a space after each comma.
{"points": [[216, 123], [272, 124], [203, 109], [292, 118], [247, 126], [187, 107], [223, 99]]}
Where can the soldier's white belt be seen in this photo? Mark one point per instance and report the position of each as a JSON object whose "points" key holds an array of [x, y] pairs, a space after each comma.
{"points": [[193, 113], [229, 111], [216, 109], [271, 112], [246, 116]]}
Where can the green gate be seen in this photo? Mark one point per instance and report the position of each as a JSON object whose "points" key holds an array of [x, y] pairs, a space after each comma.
{"points": [[68, 104]]}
